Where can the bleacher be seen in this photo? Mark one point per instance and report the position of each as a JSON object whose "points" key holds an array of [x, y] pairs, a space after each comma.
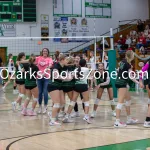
{"points": [[123, 30]]}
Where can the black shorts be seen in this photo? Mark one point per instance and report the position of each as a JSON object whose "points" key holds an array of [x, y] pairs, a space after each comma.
{"points": [[80, 88], [146, 82], [121, 83], [118, 86], [51, 88], [30, 87], [67, 89], [20, 82], [106, 86]]}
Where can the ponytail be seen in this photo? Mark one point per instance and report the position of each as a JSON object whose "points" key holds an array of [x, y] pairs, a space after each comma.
{"points": [[82, 63], [78, 72]]}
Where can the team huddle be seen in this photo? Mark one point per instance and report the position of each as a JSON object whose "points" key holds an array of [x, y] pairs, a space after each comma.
{"points": [[70, 75]]}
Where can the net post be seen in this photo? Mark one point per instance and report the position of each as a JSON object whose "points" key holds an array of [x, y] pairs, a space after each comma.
{"points": [[112, 63], [103, 49], [95, 40], [111, 39]]}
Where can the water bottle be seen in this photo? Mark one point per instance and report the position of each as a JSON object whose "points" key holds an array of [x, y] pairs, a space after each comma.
{"points": [[141, 94]]}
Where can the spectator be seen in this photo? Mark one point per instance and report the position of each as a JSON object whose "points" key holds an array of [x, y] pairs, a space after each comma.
{"points": [[121, 42], [140, 26], [128, 41], [148, 39], [141, 41], [133, 33], [133, 40], [84, 56], [146, 31]]}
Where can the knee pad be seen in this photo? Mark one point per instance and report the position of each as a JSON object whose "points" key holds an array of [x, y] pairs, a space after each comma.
{"points": [[72, 103], [97, 101], [21, 95], [112, 102], [86, 104], [128, 103], [56, 105], [35, 99], [119, 106], [148, 101]]}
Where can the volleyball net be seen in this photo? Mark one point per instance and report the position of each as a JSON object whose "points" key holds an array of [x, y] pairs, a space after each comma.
{"points": [[66, 45]]}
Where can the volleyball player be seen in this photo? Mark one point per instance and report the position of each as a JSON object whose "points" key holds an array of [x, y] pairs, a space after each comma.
{"points": [[124, 74], [76, 110], [68, 86], [55, 89], [147, 84], [20, 81], [31, 87], [43, 62], [103, 81], [11, 71], [81, 86]]}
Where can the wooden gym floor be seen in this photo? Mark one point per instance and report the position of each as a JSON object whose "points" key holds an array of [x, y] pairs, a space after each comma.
{"points": [[33, 133]]}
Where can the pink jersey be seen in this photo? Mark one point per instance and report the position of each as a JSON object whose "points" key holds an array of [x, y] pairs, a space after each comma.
{"points": [[43, 63]]}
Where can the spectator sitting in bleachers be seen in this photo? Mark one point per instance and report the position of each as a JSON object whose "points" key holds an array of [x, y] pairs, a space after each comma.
{"points": [[148, 39], [141, 41], [128, 41], [133, 40], [121, 42], [146, 31], [133, 33], [140, 26]]}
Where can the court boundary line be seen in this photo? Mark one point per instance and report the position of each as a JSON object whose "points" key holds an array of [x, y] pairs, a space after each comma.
{"points": [[94, 128]]}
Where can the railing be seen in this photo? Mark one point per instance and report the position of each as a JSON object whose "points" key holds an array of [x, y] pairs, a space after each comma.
{"points": [[127, 20], [116, 30]]}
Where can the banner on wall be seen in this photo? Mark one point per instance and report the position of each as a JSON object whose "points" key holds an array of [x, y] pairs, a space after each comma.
{"points": [[7, 30], [98, 9], [72, 27], [45, 27], [67, 8], [61, 29]]}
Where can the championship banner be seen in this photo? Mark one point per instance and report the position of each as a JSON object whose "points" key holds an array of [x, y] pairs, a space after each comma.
{"points": [[98, 9]]}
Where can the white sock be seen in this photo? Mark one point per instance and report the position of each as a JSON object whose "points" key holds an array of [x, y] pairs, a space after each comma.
{"points": [[62, 112], [86, 116], [53, 120], [128, 117], [94, 111], [117, 120], [67, 115]]}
